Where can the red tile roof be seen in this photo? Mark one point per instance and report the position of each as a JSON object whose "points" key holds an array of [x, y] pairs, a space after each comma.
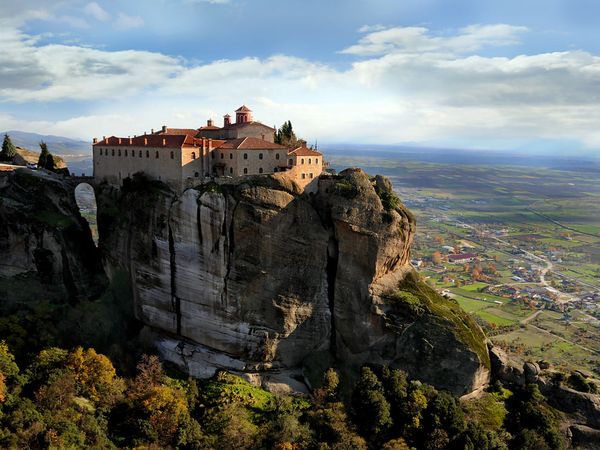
{"points": [[179, 131], [235, 125], [209, 127], [305, 151], [461, 256], [250, 143], [243, 108]]}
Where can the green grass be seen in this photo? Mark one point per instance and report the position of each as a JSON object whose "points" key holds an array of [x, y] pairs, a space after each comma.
{"points": [[475, 286], [470, 305], [496, 320], [462, 324]]}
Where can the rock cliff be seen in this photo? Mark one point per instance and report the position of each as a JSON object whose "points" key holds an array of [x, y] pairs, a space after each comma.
{"points": [[253, 276], [46, 248]]}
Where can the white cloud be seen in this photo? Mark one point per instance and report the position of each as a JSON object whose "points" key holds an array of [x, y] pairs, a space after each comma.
{"points": [[407, 86], [125, 22], [418, 40], [96, 11], [371, 28]]}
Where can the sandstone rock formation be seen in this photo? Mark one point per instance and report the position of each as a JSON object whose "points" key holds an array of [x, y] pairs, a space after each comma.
{"points": [[46, 249], [253, 276]]}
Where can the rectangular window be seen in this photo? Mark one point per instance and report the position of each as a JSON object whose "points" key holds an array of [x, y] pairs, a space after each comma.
{"points": [[310, 175], [303, 176]]}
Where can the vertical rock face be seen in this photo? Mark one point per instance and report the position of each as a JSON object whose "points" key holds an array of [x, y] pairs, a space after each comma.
{"points": [[251, 275], [46, 248]]}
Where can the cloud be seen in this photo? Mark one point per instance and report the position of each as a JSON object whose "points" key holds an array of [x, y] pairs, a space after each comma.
{"points": [[125, 22], [96, 11], [371, 28], [405, 85], [419, 40]]}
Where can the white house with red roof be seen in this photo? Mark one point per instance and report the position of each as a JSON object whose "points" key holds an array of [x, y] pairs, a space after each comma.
{"points": [[183, 157]]}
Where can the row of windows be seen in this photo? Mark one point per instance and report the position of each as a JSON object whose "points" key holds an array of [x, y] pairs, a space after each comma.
{"points": [[309, 160], [140, 153], [305, 175], [260, 156]]}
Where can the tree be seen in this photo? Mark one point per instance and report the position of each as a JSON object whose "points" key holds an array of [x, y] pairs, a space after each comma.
{"points": [[46, 160], [95, 376], [8, 149], [436, 257], [371, 408], [2, 388], [285, 135]]}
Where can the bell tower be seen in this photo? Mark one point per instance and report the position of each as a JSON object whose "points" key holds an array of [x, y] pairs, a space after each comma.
{"points": [[243, 114]]}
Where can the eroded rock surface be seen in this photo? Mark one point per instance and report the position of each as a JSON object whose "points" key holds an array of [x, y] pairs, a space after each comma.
{"points": [[250, 275], [46, 248]]}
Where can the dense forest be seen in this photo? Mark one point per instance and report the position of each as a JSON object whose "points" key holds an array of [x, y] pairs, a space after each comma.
{"points": [[76, 399]]}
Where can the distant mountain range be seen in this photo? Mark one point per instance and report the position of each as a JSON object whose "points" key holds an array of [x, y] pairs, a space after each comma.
{"points": [[76, 153], [59, 145]]}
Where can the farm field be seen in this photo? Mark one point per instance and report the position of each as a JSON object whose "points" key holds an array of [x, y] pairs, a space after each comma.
{"points": [[535, 284]]}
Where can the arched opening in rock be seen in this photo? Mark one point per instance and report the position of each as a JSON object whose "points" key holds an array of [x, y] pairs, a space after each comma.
{"points": [[86, 201]]}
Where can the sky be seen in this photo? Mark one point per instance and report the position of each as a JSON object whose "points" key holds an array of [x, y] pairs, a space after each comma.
{"points": [[474, 74]]}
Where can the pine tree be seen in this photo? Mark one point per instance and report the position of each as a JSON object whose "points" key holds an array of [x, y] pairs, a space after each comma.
{"points": [[8, 149], [46, 160]]}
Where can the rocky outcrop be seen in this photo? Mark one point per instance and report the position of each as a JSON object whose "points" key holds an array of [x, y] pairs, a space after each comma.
{"points": [[46, 248], [253, 276]]}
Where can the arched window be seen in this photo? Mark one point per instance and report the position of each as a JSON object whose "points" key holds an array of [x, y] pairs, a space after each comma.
{"points": [[260, 156], [147, 154], [119, 152], [276, 155], [274, 169], [172, 154], [245, 170], [126, 152], [156, 154], [222, 155], [196, 174], [310, 175], [303, 176], [302, 161], [231, 170], [245, 155], [309, 160], [291, 162], [193, 155], [133, 153], [113, 152], [140, 153], [100, 152], [316, 160], [231, 156], [260, 170]]}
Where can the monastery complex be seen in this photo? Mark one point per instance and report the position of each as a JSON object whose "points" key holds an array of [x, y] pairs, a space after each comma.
{"points": [[184, 157]]}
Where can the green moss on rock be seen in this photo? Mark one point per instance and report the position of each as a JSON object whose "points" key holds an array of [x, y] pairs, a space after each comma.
{"points": [[417, 297]]}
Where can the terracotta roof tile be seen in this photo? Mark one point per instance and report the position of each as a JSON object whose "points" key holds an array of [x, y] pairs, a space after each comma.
{"points": [[305, 151], [243, 108], [250, 143]]}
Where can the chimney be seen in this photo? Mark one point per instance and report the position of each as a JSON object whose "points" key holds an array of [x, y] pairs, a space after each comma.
{"points": [[302, 143], [95, 141], [130, 141], [226, 120], [203, 143], [103, 138], [152, 131], [164, 128], [209, 123], [209, 143], [164, 142], [145, 141]]}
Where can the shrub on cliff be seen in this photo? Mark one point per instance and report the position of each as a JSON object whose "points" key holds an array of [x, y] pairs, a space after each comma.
{"points": [[8, 149]]}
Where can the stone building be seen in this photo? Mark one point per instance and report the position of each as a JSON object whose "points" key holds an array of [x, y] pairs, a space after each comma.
{"points": [[183, 157]]}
